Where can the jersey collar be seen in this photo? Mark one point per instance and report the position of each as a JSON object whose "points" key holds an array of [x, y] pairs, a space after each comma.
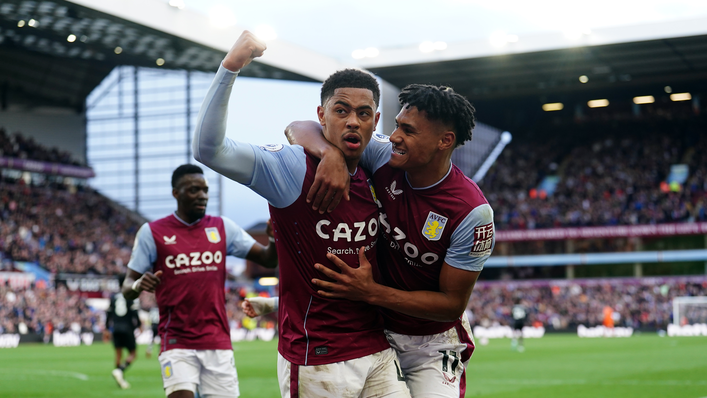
{"points": [[430, 186], [184, 222]]}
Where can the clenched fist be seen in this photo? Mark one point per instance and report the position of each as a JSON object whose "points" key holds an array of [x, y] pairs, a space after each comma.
{"points": [[246, 48]]}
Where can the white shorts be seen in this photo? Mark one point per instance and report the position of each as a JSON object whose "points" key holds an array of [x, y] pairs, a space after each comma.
{"points": [[435, 365], [212, 372], [375, 375]]}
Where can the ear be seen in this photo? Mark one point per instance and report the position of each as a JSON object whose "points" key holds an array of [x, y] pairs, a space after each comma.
{"points": [[175, 193], [320, 115], [448, 140], [375, 122]]}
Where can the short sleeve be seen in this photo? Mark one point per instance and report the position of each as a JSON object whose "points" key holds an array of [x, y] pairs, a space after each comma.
{"points": [[144, 252], [377, 153], [238, 241], [473, 240], [278, 173]]}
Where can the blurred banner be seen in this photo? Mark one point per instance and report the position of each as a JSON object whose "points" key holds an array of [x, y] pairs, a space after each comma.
{"points": [[46, 167], [697, 228]]}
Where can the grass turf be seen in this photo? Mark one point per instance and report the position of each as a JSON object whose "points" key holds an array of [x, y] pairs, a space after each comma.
{"points": [[554, 366]]}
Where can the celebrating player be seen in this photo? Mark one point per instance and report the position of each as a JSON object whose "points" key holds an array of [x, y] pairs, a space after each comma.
{"points": [[122, 320], [182, 259], [438, 232], [327, 347]]}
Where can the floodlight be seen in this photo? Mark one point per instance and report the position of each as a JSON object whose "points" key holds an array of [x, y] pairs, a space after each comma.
{"points": [[268, 281], [646, 99], [553, 106], [598, 103], [680, 97]]}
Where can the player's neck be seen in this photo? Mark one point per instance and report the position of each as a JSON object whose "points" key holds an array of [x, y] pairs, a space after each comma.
{"points": [[185, 217], [429, 175], [352, 165]]}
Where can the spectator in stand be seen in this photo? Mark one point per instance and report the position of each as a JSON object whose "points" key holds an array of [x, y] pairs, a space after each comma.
{"points": [[608, 176], [558, 305], [18, 146], [68, 232]]}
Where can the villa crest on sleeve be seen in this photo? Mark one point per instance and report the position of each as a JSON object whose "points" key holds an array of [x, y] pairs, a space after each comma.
{"points": [[212, 235]]}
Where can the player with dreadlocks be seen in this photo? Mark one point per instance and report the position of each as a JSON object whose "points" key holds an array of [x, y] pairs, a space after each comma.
{"points": [[438, 232]]}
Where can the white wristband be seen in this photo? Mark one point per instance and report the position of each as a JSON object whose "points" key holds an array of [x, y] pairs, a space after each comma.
{"points": [[271, 239], [135, 285]]}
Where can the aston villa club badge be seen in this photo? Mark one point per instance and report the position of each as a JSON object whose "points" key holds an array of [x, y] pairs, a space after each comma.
{"points": [[212, 235], [434, 226]]}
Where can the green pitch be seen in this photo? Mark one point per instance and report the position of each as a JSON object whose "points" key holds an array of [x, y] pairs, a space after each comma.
{"points": [[554, 366]]}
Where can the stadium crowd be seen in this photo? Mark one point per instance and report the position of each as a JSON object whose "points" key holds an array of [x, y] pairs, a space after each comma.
{"points": [[556, 305], [560, 305], [41, 311], [64, 231], [607, 175], [17, 146]]}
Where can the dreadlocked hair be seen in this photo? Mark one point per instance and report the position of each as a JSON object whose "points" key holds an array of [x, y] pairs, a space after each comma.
{"points": [[350, 78], [443, 104]]}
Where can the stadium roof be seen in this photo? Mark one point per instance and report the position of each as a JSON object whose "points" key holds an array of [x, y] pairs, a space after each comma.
{"points": [[651, 55], [53, 53]]}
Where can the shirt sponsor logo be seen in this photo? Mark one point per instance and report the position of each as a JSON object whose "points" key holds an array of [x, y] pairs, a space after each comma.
{"points": [[397, 237], [483, 241], [382, 138], [350, 233], [393, 191], [212, 235], [272, 147], [193, 259], [434, 226], [170, 241]]}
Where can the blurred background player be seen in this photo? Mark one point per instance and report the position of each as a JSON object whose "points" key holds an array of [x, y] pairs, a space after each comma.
{"points": [[326, 347], [520, 315], [154, 318], [122, 319], [182, 259]]}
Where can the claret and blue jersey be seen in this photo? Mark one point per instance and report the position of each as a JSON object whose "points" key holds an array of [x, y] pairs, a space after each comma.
{"points": [[423, 228]]}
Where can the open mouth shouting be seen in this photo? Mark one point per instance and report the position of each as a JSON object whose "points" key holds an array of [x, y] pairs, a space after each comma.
{"points": [[352, 141]]}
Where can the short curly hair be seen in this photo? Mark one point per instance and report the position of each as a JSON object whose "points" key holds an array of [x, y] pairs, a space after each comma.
{"points": [[443, 104], [350, 78], [183, 170]]}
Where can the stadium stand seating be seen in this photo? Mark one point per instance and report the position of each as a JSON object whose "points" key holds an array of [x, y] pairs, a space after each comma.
{"points": [[71, 229], [609, 174], [642, 303], [17, 146]]}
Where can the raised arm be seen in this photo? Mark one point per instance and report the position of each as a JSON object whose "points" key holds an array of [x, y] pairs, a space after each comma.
{"points": [[331, 182], [210, 146]]}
